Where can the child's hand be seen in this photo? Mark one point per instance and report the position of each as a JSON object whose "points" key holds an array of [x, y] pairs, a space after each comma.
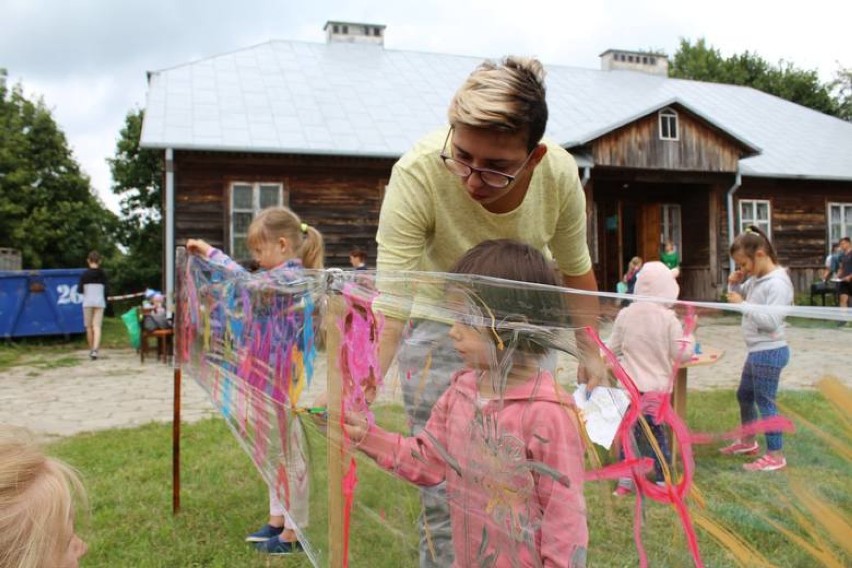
{"points": [[356, 426], [198, 246], [734, 298], [736, 277]]}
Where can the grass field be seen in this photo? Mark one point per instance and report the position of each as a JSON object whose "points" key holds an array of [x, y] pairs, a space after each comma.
{"points": [[128, 474]]}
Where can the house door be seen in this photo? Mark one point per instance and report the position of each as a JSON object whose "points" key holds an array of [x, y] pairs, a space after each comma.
{"points": [[649, 231]]}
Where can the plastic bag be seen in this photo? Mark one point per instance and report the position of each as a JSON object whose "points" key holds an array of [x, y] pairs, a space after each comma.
{"points": [[131, 322]]}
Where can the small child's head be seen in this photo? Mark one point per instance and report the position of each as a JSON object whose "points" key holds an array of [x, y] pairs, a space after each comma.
{"points": [[635, 262], [752, 251], [669, 246], [37, 496], [510, 314], [357, 257], [277, 235], [93, 259], [658, 280]]}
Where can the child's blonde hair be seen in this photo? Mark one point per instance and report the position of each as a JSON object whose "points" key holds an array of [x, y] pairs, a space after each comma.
{"points": [[635, 262], [37, 495], [752, 240], [275, 222]]}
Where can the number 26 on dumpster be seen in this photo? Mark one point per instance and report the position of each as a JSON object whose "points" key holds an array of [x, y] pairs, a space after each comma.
{"points": [[68, 295]]}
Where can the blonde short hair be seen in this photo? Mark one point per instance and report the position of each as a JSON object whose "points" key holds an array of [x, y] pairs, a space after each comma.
{"points": [[37, 496], [508, 96]]}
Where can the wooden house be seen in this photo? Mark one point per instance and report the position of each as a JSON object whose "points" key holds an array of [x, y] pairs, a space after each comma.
{"points": [[318, 126]]}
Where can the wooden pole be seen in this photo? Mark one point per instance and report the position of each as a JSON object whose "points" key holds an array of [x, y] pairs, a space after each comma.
{"points": [[176, 444], [336, 450], [176, 345]]}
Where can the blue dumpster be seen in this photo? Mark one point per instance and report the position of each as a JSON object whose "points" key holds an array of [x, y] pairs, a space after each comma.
{"points": [[40, 302]]}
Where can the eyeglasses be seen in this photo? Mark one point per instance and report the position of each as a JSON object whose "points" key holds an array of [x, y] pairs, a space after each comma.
{"points": [[491, 178]]}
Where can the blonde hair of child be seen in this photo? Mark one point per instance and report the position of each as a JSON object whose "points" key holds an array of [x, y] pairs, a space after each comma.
{"points": [[37, 496], [750, 241], [275, 222], [507, 96]]}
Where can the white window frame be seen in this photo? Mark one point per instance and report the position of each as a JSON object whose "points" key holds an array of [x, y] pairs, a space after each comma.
{"points": [[669, 117], [840, 228], [671, 226], [744, 220], [234, 236]]}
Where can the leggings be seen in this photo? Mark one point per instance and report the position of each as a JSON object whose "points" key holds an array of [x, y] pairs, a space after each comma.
{"points": [[758, 387]]}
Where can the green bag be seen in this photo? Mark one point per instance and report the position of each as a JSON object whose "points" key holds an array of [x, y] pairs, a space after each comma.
{"points": [[131, 322]]}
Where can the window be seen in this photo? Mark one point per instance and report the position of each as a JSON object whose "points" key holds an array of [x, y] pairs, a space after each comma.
{"points": [[668, 124], [839, 222], [345, 29], [755, 212], [246, 200], [336, 28], [670, 226]]}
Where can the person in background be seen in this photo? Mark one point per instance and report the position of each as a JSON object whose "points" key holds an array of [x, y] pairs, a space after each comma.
{"points": [[358, 259], [93, 286], [488, 174], [633, 268], [832, 262], [844, 273], [671, 257], [37, 498], [760, 280]]}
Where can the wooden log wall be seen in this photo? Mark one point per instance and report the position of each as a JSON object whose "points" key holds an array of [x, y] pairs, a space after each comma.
{"points": [[700, 147], [340, 196]]}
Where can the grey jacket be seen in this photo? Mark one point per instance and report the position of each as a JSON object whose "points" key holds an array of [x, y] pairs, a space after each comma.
{"points": [[763, 309]]}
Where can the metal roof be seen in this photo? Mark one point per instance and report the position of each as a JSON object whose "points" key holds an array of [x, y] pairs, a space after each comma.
{"points": [[366, 100]]}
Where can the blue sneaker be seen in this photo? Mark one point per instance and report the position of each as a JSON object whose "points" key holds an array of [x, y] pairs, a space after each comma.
{"points": [[277, 547], [264, 534]]}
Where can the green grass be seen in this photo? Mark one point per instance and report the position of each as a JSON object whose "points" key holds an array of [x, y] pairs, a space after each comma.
{"points": [[128, 475], [29, 350]]}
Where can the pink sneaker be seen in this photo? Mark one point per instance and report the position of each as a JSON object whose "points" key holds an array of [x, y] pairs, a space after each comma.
{"points": [[740, 448], [766, 462]]}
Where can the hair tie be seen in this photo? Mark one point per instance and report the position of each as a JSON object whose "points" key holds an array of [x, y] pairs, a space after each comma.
{"points": [[304, 228], [749, 231]]}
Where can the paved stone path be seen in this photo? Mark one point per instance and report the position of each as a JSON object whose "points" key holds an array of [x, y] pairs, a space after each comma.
{"points": [[62, 395]]}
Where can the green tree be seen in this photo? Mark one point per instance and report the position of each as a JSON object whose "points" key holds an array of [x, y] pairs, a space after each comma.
{"points": [[702, 62], [842, 89], [48, 209], [138, 179]]}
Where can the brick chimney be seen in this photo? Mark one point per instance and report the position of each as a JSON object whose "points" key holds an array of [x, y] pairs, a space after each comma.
{"points": [[352, 32], [619, 59]]}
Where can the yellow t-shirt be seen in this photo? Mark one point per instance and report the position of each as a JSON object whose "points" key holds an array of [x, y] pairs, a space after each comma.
{"points": [[428, 222]]}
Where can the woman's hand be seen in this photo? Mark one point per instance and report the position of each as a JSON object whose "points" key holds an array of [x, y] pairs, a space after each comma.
{"points": [[734, 298], [198, 246]]}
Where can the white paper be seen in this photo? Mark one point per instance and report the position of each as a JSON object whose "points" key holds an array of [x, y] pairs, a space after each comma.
{"points": [[603, 412]]}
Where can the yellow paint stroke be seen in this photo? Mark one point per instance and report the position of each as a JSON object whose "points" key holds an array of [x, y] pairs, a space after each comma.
{"points": [[744, 554], [421, 385], [832, 519]]}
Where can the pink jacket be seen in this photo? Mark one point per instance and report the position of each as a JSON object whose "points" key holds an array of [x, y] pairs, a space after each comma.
{"points": [[513, 467], [648, 335]]}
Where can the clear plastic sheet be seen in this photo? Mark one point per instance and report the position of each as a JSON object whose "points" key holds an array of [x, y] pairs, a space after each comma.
{"points": [[479, 397]]}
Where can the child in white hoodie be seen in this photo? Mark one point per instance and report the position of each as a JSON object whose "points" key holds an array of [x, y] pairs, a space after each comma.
{"points": [[648, 338]]}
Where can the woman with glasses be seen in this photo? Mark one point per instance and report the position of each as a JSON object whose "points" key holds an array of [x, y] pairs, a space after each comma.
{"points": [[488, 175]]}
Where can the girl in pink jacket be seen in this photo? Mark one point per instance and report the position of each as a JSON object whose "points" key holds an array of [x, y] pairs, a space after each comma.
{"points": [[503, 436], [648, 338]]}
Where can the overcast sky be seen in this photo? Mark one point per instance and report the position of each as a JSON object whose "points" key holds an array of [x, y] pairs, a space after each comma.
{"points": [[88, 58]]}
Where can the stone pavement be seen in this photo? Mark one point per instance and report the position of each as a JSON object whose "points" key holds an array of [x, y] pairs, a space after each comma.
{"points": [[63, 395]]}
